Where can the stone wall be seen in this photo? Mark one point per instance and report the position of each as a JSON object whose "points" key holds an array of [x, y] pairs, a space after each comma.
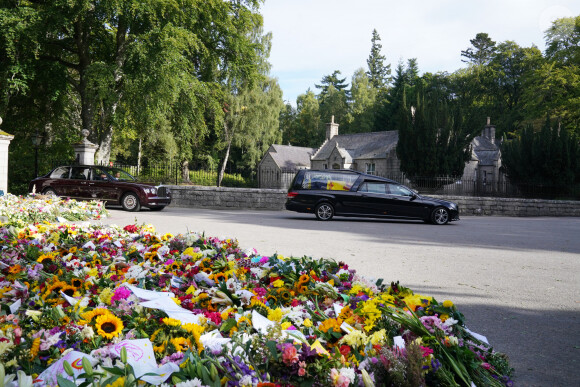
{"points": [[514, 206], [274, 199], [228, 198]]}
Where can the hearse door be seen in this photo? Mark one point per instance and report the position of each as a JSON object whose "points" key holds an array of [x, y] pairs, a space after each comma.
{"points": [[403, 202], [372, 199]]}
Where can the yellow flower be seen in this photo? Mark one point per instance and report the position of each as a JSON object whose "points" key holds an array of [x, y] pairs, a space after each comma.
{"points": [[196, 331], [447, 304], [106, 295], [181, 344], [379, 337], [34, 348], [286, 325], [307, 323], [172, 322], [278, 283], [330, 324], [355, 338], [275, 314], [444, 317], [109, 326], [87, 317], [167, 237]]}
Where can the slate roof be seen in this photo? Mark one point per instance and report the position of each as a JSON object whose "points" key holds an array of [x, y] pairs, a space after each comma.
{"points": [[483, 150], [291, 157], [372, 145]]}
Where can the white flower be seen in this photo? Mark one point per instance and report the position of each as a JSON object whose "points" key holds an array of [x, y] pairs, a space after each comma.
{"points": [[87, 333], [246, 381], [450, 321], [349, 373]]}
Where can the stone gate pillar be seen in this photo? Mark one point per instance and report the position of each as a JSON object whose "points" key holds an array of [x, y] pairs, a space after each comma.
{"points": [[5, 139], [85, 150]]}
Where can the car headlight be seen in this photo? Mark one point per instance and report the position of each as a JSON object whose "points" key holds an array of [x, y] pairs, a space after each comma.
{"points": [[152, 191]]}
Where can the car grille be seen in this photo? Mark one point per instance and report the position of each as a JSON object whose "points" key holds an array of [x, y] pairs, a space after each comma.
{"points": [[162, 192]]}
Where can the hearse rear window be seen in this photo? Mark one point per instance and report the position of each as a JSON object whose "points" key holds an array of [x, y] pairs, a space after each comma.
{"points": [[332, 181]]}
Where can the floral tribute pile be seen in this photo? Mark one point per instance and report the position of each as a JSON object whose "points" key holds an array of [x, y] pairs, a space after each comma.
{"points": [[22, 210], [87, 305]]}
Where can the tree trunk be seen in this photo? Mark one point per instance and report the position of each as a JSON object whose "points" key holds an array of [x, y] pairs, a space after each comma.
{"points": [[223, 166], [139, 157]]}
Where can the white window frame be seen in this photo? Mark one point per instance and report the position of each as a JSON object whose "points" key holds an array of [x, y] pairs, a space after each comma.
{"points": [[371, 168]]}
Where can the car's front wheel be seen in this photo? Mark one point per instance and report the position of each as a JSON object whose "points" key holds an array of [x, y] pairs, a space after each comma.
{"points": [[49, 192], [324, 211], [440, 216], [130, 202]]}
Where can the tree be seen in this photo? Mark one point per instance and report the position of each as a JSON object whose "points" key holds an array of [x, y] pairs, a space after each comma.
{"points": [[333, 99], [549, 158], [482, 50], [378, 73], [308, 113], [433, 141], [563, 41], [363, 103], [108, 52]]}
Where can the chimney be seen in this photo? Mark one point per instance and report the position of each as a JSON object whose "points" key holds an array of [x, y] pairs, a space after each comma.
{"points": [[331, 129], [489, 131]]}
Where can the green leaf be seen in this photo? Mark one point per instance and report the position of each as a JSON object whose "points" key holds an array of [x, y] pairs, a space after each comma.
{"points": [[273, 350], [62, 382]]}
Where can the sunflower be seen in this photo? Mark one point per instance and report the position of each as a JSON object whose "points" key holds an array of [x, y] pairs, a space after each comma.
{"points": [[181, 344], [87, 317], [217, 277], [46, 259], [69, 290], [304, 278], [196, 331], [15, 269], [76, 282], [109, 326], [171, 322], [56, 287], [35, 348]]}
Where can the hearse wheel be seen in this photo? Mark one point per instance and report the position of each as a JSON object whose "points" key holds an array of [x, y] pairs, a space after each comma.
{"points": [[440, 216], [324, 211]]}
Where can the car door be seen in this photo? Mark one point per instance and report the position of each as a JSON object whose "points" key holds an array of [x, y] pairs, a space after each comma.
{"points": [[102, 186], [404, 203], [372, 199], [79, 182]]}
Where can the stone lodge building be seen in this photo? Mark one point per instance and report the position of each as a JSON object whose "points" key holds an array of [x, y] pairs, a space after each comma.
{"points": [[374, 153]]}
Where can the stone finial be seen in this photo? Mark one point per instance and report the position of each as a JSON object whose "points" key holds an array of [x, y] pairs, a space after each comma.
{"points": [[85, 133], [331, 129], [488, 121]]}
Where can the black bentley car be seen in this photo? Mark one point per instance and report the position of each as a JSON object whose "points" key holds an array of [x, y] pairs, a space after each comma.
{"points": [[327, 193]]}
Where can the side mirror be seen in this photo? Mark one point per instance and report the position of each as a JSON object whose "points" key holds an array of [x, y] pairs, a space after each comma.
{"points": [[413, 196]]}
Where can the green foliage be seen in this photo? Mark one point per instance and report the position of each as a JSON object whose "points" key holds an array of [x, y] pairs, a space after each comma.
{"points": [[547, 158], [433, 140], [482, 50], [208, 178], [379, 73]]}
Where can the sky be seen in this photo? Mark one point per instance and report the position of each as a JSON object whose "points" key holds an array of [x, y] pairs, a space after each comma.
{"points": [[313, 38]]}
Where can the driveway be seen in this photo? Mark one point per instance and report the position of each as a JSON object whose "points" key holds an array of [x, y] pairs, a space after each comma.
{"points": [[517, 280]]}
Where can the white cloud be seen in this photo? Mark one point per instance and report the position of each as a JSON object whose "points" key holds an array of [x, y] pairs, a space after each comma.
{"points": [[312, 38]]}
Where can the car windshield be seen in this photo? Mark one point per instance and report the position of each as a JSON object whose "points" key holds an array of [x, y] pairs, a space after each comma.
{"points": [[119, 174]]}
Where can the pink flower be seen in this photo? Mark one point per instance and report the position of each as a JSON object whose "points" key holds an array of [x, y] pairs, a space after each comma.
{"points": [[121, 293], [338, 379], [302, 369], [289, 354]]}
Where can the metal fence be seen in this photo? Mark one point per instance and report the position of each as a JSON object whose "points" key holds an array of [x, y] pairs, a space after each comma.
{"points": [[173, 173]]}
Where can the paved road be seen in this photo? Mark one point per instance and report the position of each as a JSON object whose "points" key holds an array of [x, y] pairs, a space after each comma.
{"points": [[517, 280]]}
